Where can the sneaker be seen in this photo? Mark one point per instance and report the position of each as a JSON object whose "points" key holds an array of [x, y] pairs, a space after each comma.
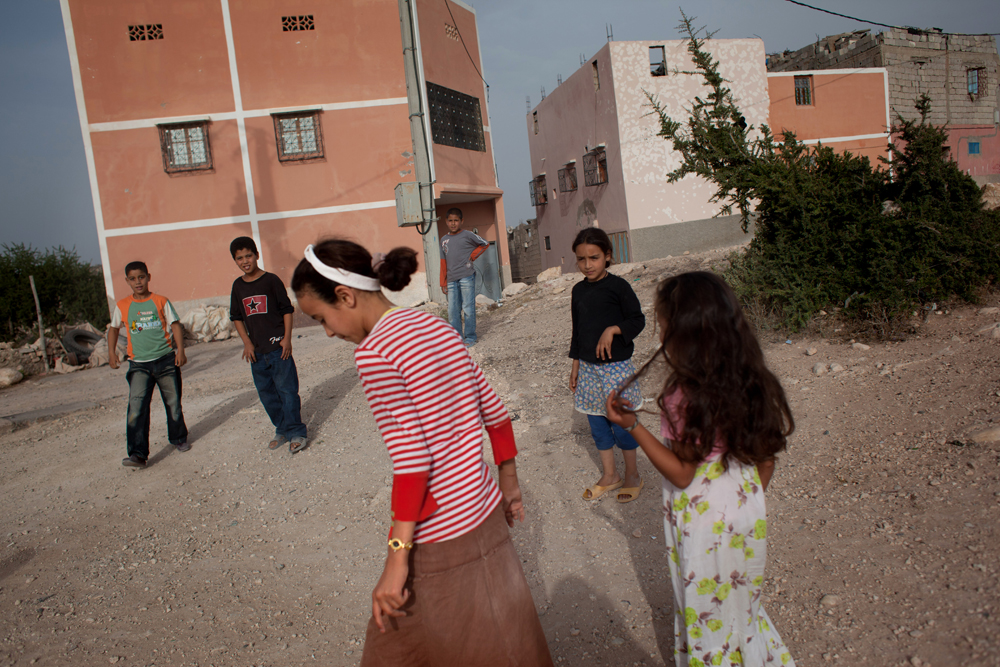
{"points": [[183, 446], [134, 462]]}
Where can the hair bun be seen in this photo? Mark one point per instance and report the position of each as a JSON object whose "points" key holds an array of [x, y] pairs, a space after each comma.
{"points": [[395, 270]]}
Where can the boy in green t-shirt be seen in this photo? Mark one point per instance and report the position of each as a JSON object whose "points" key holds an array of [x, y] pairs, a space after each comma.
{"points": [[156, 354]]}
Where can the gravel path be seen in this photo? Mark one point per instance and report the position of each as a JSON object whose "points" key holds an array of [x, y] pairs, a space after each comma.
{"points": [[883, 513]]}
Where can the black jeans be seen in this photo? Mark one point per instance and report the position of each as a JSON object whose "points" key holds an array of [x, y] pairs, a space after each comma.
{"points": [[141, 377]]}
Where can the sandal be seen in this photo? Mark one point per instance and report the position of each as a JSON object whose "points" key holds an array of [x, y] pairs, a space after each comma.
{"points": [[296, 444], [632, 492], [277, 441], [596, 491]]}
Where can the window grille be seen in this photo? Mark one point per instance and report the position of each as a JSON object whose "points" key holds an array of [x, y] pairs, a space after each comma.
{"points": [[548, 243], [803, 90], [296, 23], [619, 248], [657, 61], [455, 118], [595, 167], [185, 147], [974, 148], [534, 116], [144, 33], [567, 178], [451, 32], [597, 76], [536, 188], [975, 80], [299, 136]]}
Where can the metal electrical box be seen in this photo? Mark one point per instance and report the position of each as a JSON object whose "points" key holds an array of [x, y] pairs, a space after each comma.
{"points": [[408, 211]]}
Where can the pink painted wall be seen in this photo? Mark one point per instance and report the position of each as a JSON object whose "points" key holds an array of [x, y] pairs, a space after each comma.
{"points": [[844, 104], [364, 161], [185, 73], [987, 163], [447, 64], [573, 117], [185, 264], [354, 53], [135, 191]]}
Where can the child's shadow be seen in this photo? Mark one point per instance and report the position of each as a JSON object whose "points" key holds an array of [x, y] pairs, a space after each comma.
{"points": [[649, 556], [215, 418], [602, 634]]}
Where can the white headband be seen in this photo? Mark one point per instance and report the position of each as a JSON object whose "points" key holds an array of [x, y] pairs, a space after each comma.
{"points": [[340, 276]]}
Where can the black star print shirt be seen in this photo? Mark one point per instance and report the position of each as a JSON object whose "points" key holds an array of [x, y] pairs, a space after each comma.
{"points": [[261, 305]]}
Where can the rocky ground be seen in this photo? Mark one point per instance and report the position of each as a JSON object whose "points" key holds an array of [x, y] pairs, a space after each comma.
{"points": [[883, 513]]}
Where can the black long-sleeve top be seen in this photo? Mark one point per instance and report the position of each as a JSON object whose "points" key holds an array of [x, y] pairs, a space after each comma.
{"points": [[598, 305]]}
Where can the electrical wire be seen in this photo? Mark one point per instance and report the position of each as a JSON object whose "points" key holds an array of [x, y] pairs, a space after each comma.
{"points": [[462, 39], [897, 27]]}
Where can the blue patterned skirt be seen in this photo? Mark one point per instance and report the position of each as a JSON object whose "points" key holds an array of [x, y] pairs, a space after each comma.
{"points": [[595, 383]]}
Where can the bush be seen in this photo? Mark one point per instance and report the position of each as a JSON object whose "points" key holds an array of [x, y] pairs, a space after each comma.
{"points": [[833, 230], [69, 289]]}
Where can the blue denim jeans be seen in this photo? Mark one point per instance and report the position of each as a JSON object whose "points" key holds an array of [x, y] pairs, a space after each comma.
{"points": [[462, 301], [607, 435], [142, 376], [277, 384]]}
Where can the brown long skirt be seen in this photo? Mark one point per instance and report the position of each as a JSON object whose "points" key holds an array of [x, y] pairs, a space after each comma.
{"points": [[469, 605]]}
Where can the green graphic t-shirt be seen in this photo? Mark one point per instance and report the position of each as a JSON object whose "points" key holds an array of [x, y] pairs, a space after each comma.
{"points": [[147, 325]]}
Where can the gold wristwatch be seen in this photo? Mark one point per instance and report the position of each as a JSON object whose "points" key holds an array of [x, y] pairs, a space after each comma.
{"points": [[396, 544]]}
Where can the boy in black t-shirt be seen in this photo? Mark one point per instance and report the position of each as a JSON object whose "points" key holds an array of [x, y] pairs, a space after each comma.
{"points": [[262, 313]]}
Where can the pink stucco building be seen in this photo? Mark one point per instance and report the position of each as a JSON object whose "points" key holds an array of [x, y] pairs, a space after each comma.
{"points": [[846, 109], [210, 119], [596, 159]]}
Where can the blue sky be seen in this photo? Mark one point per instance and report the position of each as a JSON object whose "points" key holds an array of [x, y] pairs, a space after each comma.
{"points": [[44, 187]]}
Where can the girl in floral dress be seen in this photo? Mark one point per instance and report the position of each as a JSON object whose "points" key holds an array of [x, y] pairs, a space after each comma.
{"points": [[724, 417]]}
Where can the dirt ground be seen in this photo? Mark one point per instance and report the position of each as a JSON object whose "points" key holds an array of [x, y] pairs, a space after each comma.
{"points": [[231, 554]]}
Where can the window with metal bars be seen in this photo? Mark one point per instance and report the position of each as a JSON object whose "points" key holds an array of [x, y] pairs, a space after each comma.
{"points": [[803, 91], [620, 253], [975, 80], [299, 136], [296, 23], [456, 119], [595, 167], [185, 147], [536, 188], [144, 33], [567, 178]]}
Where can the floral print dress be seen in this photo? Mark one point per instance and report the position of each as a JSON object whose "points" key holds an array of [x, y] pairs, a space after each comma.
{"points": [[716, 536]]}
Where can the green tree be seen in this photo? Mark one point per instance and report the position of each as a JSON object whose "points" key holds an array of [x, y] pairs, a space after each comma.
{"points": [[69, 289]]}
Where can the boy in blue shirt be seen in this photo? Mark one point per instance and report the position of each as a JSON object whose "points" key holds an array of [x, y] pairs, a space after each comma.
{"points": [[262, 314]]}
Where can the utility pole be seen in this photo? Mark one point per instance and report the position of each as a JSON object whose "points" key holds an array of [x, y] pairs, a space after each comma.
{"points": [[421, 154]]}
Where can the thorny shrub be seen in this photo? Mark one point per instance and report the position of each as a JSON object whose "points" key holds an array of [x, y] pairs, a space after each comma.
{"points": [[831, 230]]}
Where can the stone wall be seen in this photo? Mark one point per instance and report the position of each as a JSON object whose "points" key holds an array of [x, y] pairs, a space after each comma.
{"points": [[525, 255]]}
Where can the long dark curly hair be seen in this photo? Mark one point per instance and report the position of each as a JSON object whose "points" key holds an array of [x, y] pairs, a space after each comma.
{"points": [[714, 359]]}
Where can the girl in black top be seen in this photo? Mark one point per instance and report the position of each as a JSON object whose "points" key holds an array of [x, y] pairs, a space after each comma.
{"points": [[606, 318]]}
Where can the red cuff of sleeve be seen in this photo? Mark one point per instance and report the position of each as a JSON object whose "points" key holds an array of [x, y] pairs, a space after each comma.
{"points": [[502, 440], [444, 273], [479, 250], [411, 499]]}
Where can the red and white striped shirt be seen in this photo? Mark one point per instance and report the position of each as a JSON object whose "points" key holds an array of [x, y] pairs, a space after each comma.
{"points": [[431, 401]]}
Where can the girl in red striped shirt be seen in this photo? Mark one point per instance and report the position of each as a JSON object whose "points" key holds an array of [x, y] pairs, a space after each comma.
{"points": [[452, 591]]}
